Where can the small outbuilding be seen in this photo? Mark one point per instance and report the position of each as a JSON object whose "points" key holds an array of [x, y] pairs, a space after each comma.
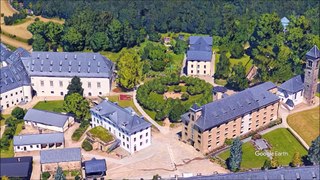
{"points": [[95, 168], [16, 167], [67, 159], [48, 120]]}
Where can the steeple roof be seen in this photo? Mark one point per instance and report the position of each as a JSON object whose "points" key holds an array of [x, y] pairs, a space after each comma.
{"points": [[314, 53]]}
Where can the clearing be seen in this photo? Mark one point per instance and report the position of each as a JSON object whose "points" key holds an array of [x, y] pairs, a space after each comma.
{"points": [[306, 124]]}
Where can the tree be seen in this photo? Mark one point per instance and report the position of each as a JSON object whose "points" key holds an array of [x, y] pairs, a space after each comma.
{"points": [[222, 66], [180, 47], [72, 40], [59, 174], [314, 151], [184, 96], [237, 51], [115, 34], [18, 113], [39, 43], [77, 105], [296, 160], [75, 86], [238, 79], [99, 41], [235, 155], [176, 112], [130, 69], [274, 162], [266, 164]]}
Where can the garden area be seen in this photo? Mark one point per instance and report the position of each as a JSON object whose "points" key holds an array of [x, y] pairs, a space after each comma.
{"points": [[280, 140], [53, 106], [101, 133], [123, 103], [171, 96], [306, 124]]}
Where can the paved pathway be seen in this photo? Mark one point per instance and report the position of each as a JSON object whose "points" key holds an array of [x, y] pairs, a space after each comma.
{"points": [[184, 63], [162, 129]]}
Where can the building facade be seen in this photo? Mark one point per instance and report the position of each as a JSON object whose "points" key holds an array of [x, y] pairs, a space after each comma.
{"points": [[36, 142], [26, 74], [311, 74], [199, 56], [133, 131], [16, 167], [207, 127]]}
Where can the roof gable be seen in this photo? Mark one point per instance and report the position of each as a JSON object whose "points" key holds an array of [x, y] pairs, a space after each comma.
{"points": [[95, 165], [60, 155], [46, 117], [29, 139], [293, 85], [314, 53]]}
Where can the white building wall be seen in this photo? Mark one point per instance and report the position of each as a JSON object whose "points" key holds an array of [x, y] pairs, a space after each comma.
{"points": [[127, 142], [44, 126], [199, 67], [34, 147], [57, 86], [245, 123], [15, 96], [297, 98]]}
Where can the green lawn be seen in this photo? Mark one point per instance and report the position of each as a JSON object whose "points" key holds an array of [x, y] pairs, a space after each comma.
{"points": [[55, 106], [306, 124], [10, 153], [249, 159], [123, 103], [283, 141], [318, 94], [220, 82], [245, 60], [101, 133]]}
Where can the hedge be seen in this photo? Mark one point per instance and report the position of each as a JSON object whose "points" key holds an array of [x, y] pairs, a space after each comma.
{"points": [[86, 145], [80, 131]]}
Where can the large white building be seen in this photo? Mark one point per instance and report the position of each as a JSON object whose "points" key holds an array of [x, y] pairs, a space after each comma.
{"points": [[36, 142], [199, 56], [45, 74], [133, 131]]}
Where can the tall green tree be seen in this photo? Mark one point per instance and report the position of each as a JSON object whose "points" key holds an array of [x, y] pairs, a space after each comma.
{"points": [[176, 112], [39, 43], [314, 151], [18, 113], [129, 69], [235, 158], [238, 79], [59, 174], [237, 51], [77, 105], [75, 86], [115, 34], [72, 40], [99, 41], [223, 67], [180, 47]]}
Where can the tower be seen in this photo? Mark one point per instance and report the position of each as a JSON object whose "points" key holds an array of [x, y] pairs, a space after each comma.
{"points": [[311, 74]]}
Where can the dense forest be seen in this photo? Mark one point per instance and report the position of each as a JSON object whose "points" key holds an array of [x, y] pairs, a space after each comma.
{"points": [[252, 27]]}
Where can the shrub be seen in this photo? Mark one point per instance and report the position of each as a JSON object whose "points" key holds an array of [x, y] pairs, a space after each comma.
{"points": [[18, 113], [86, 145], [228, 141], [79, 132], [184, 96], [177, 89], [256, 136], [45, 175]]}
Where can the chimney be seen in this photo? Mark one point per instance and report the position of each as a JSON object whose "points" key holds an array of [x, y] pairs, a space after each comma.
{"points": [[19, 159], [75, 56], [38, 57], [47, 56], [66, 56], [94, 57]]}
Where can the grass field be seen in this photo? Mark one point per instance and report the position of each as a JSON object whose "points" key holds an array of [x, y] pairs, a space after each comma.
{"points": [[249, 159], [55, 106], [124, 103], [306, 124], [281, 141], [101, 133], [245, 60], [10, 153]]}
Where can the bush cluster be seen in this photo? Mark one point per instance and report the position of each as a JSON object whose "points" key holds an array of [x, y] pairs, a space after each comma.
{"points": [[11, 126], [79, 132], [86, 145], [10, 20]]}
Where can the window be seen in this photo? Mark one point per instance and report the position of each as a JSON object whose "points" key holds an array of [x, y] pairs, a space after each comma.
{"points": [[98, 85], [89, 84], [100, 93], [11, 94], [61, 93], [21, 91], [146, 134], [205, 66], [271, 115], [51, 83], [204, 72], [140, 136], [209, 136], [234, 126], [127, 145], [186, 133], [147, 141], [199, 141], [218, 133], [127, 139], [140, 143], [198, 71], [199, 136], [16, 92], [42, 83], [198, 66], [60, 83], [191, 71], [119, 134], [134, 139], [52, 92], [218, 143], [122, 136], [191, 65], [226, 129], [31, 146], [257, 125]]}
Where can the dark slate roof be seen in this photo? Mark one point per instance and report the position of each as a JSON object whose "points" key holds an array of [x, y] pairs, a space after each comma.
{"points": [[68, 64], [13, 75], [60, 155], [221, 89], [293, 85], [46, 117], [199, 55], [231, 107], [314, 53], [290, 103], [200, 48], [266, 86], [121, 118], [95, 166], [305, 172], [195, 107], [29, 139], [200, 39], [16, 167]]}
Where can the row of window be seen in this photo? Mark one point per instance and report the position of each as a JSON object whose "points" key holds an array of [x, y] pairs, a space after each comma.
{"points": [[198, 66], [61, 84], [6, 96], [198, 72], [141, 143]]}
